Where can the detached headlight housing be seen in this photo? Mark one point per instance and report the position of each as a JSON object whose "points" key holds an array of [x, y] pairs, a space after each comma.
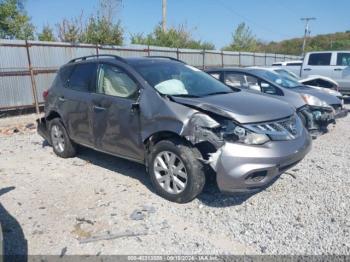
{"points": [[314, 101]]}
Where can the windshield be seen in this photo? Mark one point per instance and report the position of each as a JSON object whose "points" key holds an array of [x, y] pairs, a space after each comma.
{"points": [[177, 79], [276, 78], [287, 73]]}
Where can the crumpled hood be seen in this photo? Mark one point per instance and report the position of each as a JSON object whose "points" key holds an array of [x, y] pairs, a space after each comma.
{"points": [[320, 94], [243, 107]]}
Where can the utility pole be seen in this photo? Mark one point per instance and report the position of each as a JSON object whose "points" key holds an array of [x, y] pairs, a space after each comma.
{"points": [[307, 30], [164, 15]]}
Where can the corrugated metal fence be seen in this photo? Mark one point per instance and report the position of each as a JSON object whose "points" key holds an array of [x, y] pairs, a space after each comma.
{"points": [[27, 68]]}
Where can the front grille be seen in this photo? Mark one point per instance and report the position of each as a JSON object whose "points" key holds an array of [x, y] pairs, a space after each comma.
{"points": [[285, 129]]}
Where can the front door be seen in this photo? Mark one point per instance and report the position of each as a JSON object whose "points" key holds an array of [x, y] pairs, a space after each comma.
{"points": [[116, 116]]}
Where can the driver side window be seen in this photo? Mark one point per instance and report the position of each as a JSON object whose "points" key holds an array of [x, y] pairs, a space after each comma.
{"points": [[257, 84], [115, 82], [267, 88]]}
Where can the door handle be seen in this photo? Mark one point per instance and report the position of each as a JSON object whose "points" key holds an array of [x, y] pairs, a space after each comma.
{"points": [[99, 108], [338, 69], [307, 69], [62, 99]]}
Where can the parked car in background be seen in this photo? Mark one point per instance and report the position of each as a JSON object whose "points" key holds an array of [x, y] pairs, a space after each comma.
{"points": [[317, 109], [293, 66], [332, 64], [325, 84], [174, 119]]}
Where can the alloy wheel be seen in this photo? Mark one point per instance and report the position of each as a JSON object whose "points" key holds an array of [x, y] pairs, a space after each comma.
{"points": [[170, 172]]}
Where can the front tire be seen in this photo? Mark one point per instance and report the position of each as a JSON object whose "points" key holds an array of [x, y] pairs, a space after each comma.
{"points": [[61, 143], [175, 171]]}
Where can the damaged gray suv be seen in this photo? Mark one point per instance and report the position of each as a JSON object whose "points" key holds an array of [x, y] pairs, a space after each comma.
{"points": [[176, 120]]}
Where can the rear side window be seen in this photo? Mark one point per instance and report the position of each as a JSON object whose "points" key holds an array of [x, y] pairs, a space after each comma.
{"points": [[82, 77], [65, 73], [343, 59], [320, 59]]}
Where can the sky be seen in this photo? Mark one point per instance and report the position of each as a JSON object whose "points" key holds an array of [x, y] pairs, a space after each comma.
{"points": [[209, 20]]}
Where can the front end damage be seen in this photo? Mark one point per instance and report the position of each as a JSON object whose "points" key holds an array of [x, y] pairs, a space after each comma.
{"points": [[248, 157], [317, 119]]}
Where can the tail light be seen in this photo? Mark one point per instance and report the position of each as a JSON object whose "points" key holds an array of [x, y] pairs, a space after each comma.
{"points": [[45, 94]]}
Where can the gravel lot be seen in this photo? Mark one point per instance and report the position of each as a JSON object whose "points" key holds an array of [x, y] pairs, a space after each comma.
{"points": [[51, 205]]}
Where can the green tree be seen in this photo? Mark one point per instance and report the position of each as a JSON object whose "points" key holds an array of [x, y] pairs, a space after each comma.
{"points": [[14, 21], [243, 40], [101, 28], [179, 37], [72, 30], [101, 31], [335, 41], [47, 34], [104, 27]]}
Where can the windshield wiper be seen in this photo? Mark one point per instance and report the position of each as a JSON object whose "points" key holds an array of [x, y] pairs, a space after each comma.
{"points": [[185, 95], [219, 93]]}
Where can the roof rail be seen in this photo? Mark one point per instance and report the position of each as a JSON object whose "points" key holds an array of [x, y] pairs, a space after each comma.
{"points": [[166, 57], [83, 58]]}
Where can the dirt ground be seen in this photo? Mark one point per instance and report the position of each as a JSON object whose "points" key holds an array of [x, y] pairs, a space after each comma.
{"points": [[50, 205]]}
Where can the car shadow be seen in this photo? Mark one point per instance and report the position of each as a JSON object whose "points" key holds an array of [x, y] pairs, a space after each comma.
{"points": [[116, 164], [347, 100], [15, 245], [211, 195]]}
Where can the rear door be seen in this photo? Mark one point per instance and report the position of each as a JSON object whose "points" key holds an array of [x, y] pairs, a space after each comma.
{"points": [[318, 64], [116, 126], [74, 102], [341, 72]]}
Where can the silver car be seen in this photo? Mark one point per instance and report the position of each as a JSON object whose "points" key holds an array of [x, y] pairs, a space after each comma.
{"points": [[316, 108], [176, 120]]}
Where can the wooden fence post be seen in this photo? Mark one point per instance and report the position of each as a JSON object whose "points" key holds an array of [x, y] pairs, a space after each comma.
{"points": [[32, 78], [222, 59]]}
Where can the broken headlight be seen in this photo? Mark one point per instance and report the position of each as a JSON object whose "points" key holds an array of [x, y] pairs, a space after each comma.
{"points": [[235, 133], [203, 128], [314, 101]]}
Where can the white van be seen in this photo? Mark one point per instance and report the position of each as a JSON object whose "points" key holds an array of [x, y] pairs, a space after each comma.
{"points": [[333, 64]]}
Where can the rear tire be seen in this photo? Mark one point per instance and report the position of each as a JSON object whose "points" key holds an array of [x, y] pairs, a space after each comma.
{"points": [[175, 171], [62, 145]]}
